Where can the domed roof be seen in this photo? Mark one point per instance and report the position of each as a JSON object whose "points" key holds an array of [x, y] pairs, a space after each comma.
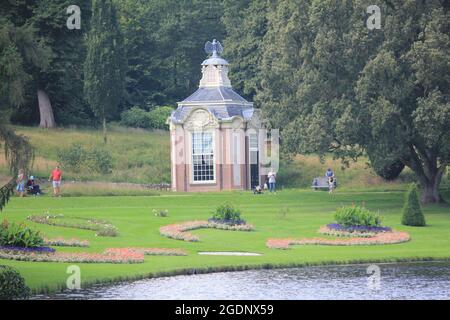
{"points": [[215, 60]]}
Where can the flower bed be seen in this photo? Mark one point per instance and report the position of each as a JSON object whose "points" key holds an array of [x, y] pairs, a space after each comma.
{"points": [[27, 249], [103, 228], [150, 251], [388, 237], [112, 255], [178, 231], [61, 242], [337, 230]]}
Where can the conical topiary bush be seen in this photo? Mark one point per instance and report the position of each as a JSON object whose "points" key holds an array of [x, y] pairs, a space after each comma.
{"points": [[412, 213]]}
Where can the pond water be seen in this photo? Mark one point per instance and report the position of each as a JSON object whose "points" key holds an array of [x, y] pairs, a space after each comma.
{"points": [[396, 281]]}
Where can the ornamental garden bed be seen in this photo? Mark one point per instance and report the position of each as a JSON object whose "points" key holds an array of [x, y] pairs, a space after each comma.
{"points": [[178, 231], [19, 242], [111, 255], [226, 217], [103, 228], [354, 225]]}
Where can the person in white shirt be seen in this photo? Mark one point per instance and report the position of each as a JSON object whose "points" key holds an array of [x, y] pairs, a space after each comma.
{"points": [[272, 180]]}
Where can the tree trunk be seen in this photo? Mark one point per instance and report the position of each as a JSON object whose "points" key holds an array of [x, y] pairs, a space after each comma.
{"points": [[105, 139], [45, 110], [430, 188], [429, 172]]}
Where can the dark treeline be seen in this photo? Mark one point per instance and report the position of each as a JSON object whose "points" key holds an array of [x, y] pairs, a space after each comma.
{"points": [[163, 42], [313, 66]]}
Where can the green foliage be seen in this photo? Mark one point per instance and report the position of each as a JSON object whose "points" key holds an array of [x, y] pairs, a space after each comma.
{"points": [[226, 213], [246, 24], [164, 43], [19, 235], [349, 216], [380, 89], [78, 158], [12, 284], [412, 213], [139, 118], [135, 117], [160, 213], [105, 64], [385, 168], [159, 115]]}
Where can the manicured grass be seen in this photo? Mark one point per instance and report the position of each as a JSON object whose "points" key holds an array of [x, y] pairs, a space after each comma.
{"points": [[138, 227]]}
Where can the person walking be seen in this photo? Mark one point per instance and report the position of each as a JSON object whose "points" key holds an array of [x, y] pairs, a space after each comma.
{"points": [[21, 181], [55, 178], [272, 180]]}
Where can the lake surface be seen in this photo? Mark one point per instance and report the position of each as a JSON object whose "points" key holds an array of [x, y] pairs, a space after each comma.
{"points": [[396, 281]]}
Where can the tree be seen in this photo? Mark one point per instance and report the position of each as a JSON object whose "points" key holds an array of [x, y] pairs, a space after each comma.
{"points": [[403, 92], [105, 66], [20, 48], [335, 86], [412, 213], [164, 43], [245, 22], [60, 87]]}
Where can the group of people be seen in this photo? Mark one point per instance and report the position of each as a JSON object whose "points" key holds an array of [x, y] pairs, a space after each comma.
{"points": [[29, 185], [271, 182]]}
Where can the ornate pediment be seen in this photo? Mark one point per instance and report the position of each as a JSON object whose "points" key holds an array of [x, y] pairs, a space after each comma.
{"points": [[200, 119]]}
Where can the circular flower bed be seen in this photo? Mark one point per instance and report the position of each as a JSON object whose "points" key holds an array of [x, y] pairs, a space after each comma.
{"points": [[388, 237], [178, 231], [337, 230], [112, 255]]}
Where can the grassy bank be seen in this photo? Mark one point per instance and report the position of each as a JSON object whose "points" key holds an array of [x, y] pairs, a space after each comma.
{"points": [[138, 156], [290, 213]]}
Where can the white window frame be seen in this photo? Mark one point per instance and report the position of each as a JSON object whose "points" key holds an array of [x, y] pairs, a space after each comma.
{"points": [[214, 154]]}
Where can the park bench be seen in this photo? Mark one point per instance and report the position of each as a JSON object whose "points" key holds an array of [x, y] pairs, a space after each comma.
{"points": [[322, 183]]}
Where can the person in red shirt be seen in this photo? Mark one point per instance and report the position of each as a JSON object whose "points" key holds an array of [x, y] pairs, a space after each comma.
{"points": [[55, 177]]}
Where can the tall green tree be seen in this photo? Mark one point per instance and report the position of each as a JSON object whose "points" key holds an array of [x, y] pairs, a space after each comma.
{"points": [[164, 42], [335, 86], [105, 65], [245, 22], [62, 82]]}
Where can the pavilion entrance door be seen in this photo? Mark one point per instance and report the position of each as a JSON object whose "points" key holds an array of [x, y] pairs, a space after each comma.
{"points": [[254, 169], [253, 157]]}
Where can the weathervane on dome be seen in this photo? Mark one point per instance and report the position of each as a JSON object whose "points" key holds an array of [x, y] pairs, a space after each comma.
{"points": [[213, 47]]}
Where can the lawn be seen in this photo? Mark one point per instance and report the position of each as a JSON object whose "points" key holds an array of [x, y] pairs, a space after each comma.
{"points": [[290, 213]]}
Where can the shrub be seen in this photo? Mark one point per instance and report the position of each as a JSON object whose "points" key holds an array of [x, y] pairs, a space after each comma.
{"points": [[77, 158], [139, 118], [158, 117], [72, 158], [19, 235], [12, 284], [99, 160], [135, 117], [357, 216], [161, 213], [412, 213], [227, 214]]}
